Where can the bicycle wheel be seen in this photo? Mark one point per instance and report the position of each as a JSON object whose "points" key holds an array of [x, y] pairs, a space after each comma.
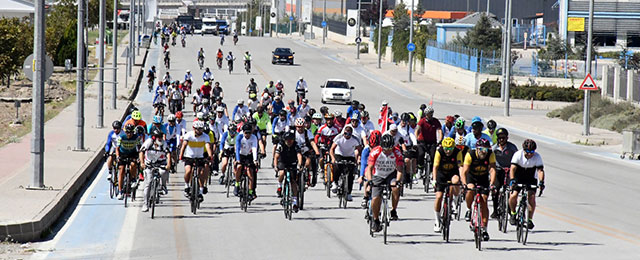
{"points": [[152, 197], [459, 206], [228, 178], [194, 190], [479, 229], [520, 220], [302, 180], [127, 186], [524, 229], [385, 218], [345, 186], [289, 201], [245, 192], [445, 216], [328, 172], [504, 212]]}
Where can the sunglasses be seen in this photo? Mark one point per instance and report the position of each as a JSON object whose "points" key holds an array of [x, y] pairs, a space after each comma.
{"points": [[247, 132], [448, 149], [483, 149], [529, 151]]}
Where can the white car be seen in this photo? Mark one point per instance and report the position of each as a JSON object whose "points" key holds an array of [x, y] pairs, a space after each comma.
{"points": [[336, 90]]}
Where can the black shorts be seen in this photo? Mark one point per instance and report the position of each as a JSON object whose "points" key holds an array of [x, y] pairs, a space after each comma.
{"points": [[292, 167], [263, 132], [526, 179], [247, 160], [200, 162], [229, 152], [376, 191], [443, 178], [479, 180], [275, 139], [127, 158], [411, 152]]}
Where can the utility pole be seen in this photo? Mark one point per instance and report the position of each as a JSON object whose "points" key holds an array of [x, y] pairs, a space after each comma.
{"points": [[379, 33], [114, 90], [358, 33], [130, 54], [249, 30], [80, 77], [101, 45], [503, 60], [324, 21], [37, 113], [507, 79], [290, 16], [488, 4], [411, 41], [311, 19], [277, 17], [587, 94]]}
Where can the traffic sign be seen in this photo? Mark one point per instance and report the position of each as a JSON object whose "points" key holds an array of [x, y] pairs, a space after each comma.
{"points": [[28, 67], [358, 40], [250, 30], [273, 14], [324, 24], [588, 83], [290, 18], [351, 22], [411, 46]]}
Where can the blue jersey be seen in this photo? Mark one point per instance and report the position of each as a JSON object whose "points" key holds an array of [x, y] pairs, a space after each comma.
{"points": [[470, 140], [277, 106], [112, 141], [364, 160], [128, 145]]}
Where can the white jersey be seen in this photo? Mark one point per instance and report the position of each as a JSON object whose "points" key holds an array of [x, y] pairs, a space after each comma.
{"points": [[302, 141], [360, 133], [220, 126], [195, 146], [248, 146], [346, 147], [253, 104], [408, 133], [154, 152], [368, 126]]}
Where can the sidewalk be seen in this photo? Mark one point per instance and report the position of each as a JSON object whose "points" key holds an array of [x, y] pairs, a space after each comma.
{"points": [[28, 214], [431, 89]]}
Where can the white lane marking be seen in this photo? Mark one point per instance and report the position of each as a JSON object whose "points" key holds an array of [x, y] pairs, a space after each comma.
{"points": [[126, 238], [372, 78], [331, 58], [49, 246]]}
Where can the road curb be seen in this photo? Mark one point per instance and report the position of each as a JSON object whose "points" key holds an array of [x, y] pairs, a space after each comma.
{"points": [[38, 227]]}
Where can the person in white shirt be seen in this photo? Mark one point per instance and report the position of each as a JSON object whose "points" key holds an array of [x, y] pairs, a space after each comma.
{"points": [[366, 123], [407, 130], [221, 122], [344, 148], [303, 109], [358, 130], [246, 159], [155, 154], [194, 144], [240, 110], [526, 169]]}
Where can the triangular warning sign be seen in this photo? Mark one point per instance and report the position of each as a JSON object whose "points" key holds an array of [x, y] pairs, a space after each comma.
{"points": [[588, 83]]}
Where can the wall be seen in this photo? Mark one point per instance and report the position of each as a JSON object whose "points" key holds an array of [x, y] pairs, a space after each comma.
{"points": [[459, 78]]}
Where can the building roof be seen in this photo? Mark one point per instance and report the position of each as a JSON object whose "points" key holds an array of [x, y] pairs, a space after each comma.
{"points": [[475, 18], [443, 15], [16, 6]]}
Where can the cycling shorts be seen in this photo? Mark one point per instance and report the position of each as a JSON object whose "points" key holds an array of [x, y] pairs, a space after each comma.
{"points": [[526, 179], [479, 180], [128, 157], [172, 143], [291, 167], [247, 160], [376, 191], [200, 162], [263, 132], [443, 178], [229, 152]]}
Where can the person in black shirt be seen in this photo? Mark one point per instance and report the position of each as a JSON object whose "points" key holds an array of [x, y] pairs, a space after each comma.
{"points": [[288, 157]]}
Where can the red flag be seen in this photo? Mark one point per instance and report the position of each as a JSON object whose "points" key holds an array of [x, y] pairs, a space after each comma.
{"points": [[383, 119]]}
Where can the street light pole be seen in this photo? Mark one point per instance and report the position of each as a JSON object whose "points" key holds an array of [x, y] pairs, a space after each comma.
{"points": [[587, 94], [411, 41], [379, 33], [115, 55], [37, 113], [131, 53], [507, 80], [80, 77], [324, 21], [504, 50], [358, 32], [101, 45]]}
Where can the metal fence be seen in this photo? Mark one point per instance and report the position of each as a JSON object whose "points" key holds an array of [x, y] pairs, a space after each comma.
{"points": [[610, 80], [335, 26], [465, 58]]}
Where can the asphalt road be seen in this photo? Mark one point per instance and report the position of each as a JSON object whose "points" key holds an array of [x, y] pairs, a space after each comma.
{"points": [[588, 211]]}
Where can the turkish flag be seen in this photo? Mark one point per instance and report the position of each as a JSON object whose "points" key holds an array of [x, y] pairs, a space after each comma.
{"points": [[384, 118]]}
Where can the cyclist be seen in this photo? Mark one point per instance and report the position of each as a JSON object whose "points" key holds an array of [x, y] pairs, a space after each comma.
{"points": [[448, 126], [222, 39], [276, 106], [270, 89], [230, 60], [157, 123], [366, 122], [253, 103], [344, 148], [504, 151], [207, 75], [279, 126], [303, 109], [459, 129], [220, 122], [428, 134], [316, 123], [491, 131], [288, 157], [167, 59], [476, 133], [325, 135], [188, 77], [240, 110], [159, 100], [308, 148], [217, 91], [182, 126], [154, 152], [227, 148], [353, 108], [384, 165], [301, 89], [136, 119], [194, 144], [280, 89], [446, 168], [171, 135], [358, 130], [151, 75], [252, 87], [407, 129], [166, 79], [246, 159], [247, 60], [218, 103], [205, 90], [526, 168], [219, 57], [339, 121], [112, 145], [479, 170], [374, 141], [262, 121], [127, 152]]}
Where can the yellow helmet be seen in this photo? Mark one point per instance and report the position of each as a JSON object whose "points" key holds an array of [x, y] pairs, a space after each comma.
{"points": [[448, 142], [136, 115]]}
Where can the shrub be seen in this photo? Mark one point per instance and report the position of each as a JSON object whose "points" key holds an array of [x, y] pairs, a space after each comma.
{"points": [[543, 93]]}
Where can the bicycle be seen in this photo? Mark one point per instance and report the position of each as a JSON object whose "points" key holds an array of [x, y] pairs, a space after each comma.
{"points": [[384, 209], [447, 207], [167, 62], [113, 170], [159, 109], [327, 169], [219, 63], [201, 62], [194, 189], [245, 201], [476, 217], [229, 177], [458, 206], [127, 182], [287, 197], [154, 195], [247, 66], [302, 181], [503, 203], [230, 65], [522, 225], [235, 40], [343, 182]]}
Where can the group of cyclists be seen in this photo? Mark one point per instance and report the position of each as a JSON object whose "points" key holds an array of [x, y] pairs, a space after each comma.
{"points": [[398, 151]]}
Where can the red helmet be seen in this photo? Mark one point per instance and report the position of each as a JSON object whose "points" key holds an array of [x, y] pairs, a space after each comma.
{"points": [[374, 138], [179, 114]]}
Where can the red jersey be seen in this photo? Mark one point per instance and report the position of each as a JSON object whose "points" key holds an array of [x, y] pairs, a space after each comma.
{"points": [[428, 129], [384, 165], [206, 90]]}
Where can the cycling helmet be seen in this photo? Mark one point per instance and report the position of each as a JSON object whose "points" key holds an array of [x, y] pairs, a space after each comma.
{"points": [[240, 102], [171, 118], [198, 125], [387, 141], [179, 114], [311, 111], [129, 128], [483, 143], [291, 102], [200, 116], [448, 142], [233, 128], [405, 117], [140, 130], [157, 119], [136, 115], [116, 124], [220, 109], [259, 108], [160, 91], [423, 106], [491, 124], [459, 123], [477, 125], [329, 116], [529, 145], [246, 127], [282, 113], [206, 83], [374, 138], [428, 110], [365, 114], [289, 135], [324, 110], [205, 101], [218, 98], [133, 108], [337, 113], [188, 71], [277, 98], [156, 132], [307, 119], [299, 122], [251, 121], [300, 78], [502, 131], [355, 102], [361, 107], [384, 102], [304, 100], [450, 119], [317, 116]]}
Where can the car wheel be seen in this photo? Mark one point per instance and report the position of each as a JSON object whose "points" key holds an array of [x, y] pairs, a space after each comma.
{"points": [[291, 62], [273, 62]]}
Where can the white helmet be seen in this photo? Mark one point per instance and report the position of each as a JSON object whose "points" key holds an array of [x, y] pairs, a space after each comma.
{"points": [[198, 124], [279, 81], [171, 117], [300, 78], [219, 109], [240, 102], [188, 71]]}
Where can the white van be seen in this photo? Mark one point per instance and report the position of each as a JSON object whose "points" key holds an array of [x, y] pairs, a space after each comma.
{"points": [[209, 25]]}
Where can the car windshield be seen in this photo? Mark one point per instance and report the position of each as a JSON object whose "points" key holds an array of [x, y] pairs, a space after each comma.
{"points": [[337, 84], [283, 51], [210, 23]]}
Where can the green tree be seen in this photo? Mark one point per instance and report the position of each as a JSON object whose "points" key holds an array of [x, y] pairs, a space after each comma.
{"points": [[60, 17], [400, 33], [373, 13], [422, 35], [384, 39], [483, 36], [94, 11], [67, 46], [16, 45], [555, 50]]}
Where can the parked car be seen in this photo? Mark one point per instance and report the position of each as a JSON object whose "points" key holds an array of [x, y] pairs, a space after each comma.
{"points": [[336, 90], [282, 55]]}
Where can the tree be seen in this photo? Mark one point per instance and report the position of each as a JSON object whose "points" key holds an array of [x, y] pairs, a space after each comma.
{"points": [[422, 36], [628, 62], [373, 13], [483, 36], [16, 45], [67, 46], [384, 39], [94, 11], [400, 33], [61, 16], [555, 50]]}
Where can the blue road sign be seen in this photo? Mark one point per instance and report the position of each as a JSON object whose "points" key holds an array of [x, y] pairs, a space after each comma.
{"points": [[324, 24], [411, 46], [290, 18], [250, 30]]}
